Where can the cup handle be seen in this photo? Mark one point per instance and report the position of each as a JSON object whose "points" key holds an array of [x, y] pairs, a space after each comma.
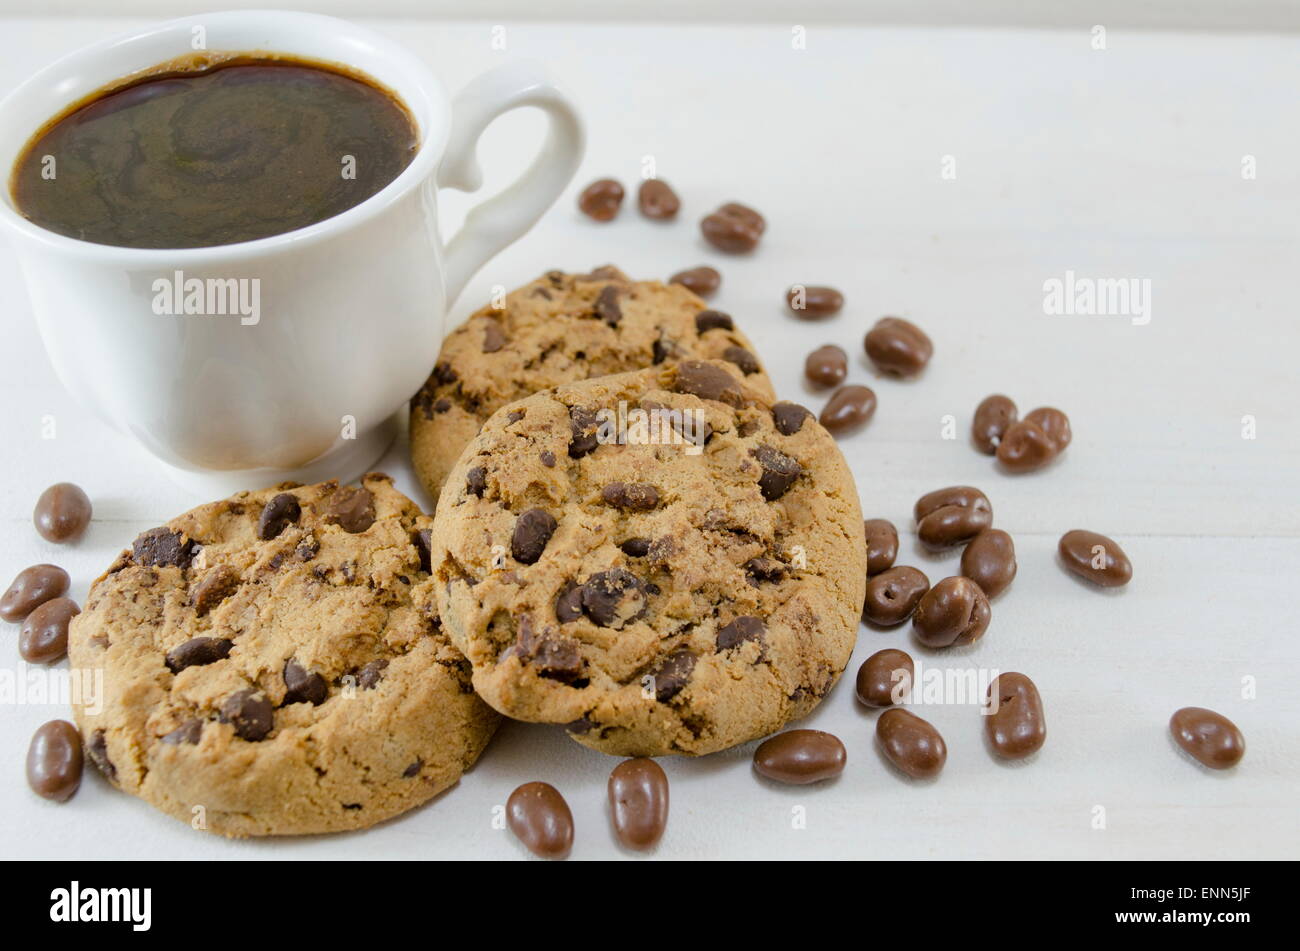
{"points": [[495, 223]]}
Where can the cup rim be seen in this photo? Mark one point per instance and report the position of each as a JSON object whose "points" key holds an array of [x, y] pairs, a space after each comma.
{"points": [[433, 139]]}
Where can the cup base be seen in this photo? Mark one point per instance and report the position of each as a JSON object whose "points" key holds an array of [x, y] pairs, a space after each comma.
{"points": [[346, 463]]}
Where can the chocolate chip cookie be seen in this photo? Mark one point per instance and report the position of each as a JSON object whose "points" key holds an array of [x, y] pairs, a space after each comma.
{"points": [[559, 329], [273, 664], [663, 560]]}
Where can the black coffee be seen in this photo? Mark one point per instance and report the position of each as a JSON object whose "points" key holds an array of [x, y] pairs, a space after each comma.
{"points": [[213, 152]]}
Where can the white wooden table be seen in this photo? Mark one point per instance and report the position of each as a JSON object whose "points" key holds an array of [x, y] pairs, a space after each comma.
{"points": [[1123, 163]]}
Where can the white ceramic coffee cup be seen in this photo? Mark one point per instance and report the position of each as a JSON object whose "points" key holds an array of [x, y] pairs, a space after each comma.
{"points": [[350, 311]]}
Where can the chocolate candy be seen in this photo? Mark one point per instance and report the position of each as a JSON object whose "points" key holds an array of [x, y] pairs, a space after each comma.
{"points": [[812, 302], [538, 815], [638, 802], [953, 612], [54, 761], [948, 517], [702, 280], [800, 757], [601, 199], [733, 228], [707, 320], [993, 417], [893, 595], [848, 408], [1095, 557], [1016, 727], [1054, 424], [657, 200], [30, 589], [885, 678], [44, 635], [898, 347], [990, 561], [826, 366], [882, 544], [62, 513], [910, 743], [1208, 737], [1034, 441]]}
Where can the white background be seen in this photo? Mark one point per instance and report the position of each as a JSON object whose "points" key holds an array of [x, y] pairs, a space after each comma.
{"points": [[1117, 163]]}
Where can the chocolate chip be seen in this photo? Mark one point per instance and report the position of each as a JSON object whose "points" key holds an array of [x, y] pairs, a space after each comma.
{"points": [[661, 350], [444, 375], [601, 199], [277, 515], [568, 605], [250, 713], [608, 308], [423, 540], [303, 687], [97, 750], [555, 658], [514, 416], [707, 320], [30, 589], [633, 496], [188, 732], [494, 338], [54, 761], [217, 585], [813, 302], [476, 481], [898, 347], [743, 628], [369, 676], [764, 568], [733, 228], [584, 424], [413, 770], [779, 472], [657, 200], [789, 417], [826, 366], [198, 652], [548, 458], [584, 724], [163, 548], [614, 598], [673, 674], [307, 549], [848, 408], [62, 513], [993, 417], [532, 531], [352, 508], [703, 281], [441, 405], [742, 358], [635, 547], [708, 382]]}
